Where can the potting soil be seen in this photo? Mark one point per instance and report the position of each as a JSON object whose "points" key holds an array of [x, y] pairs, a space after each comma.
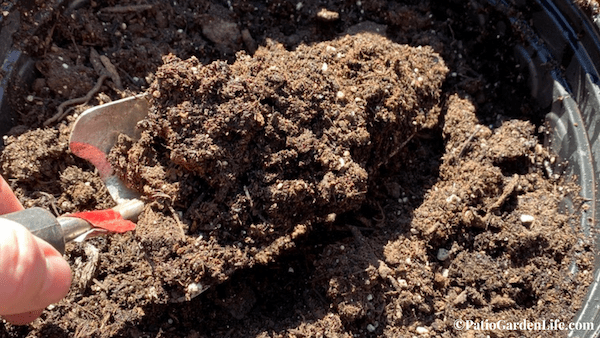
{"points": [[359, 171]]}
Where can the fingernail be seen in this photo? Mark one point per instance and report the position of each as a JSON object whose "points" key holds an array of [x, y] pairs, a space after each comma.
{"points": [[23, 318]]}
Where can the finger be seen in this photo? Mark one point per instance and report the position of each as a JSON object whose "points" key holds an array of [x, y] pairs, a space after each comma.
{"points": [[32, 273], [58, 275], [22, 267], [8, 200]]}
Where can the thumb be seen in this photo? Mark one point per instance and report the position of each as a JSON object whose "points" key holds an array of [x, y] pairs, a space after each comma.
{"points": [[33, 274], [8, 200]]}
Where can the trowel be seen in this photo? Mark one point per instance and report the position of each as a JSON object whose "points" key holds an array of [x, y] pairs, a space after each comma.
{"points": [[94, 134]]}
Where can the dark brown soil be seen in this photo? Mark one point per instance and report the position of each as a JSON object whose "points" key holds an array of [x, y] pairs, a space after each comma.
{"points": [[382, 183], [591, 7], [259, 152]]}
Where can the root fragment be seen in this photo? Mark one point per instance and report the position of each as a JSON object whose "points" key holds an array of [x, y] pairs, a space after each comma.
{"points": [[112, 72], [61, 113], [127, 9], [508, 190], [176, 217], [105, 69], [466, 144]]}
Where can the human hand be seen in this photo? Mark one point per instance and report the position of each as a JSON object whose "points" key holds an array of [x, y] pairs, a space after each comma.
{"points": [[33, 274]]}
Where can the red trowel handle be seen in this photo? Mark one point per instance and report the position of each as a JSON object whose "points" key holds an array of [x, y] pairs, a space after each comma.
{"points": [[60, 230], [55, 230]]}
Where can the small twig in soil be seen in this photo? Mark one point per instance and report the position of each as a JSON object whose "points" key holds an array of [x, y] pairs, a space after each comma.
{"points": [[451, 31], [126, 9], [161, 194], [82, 308], [176, 217], [346, 228], [48, 39], [97, 63], [132, 82], [150, 261], [112, 71], [99, 284], [105, 69], [381, 220], [103, 66], [60, 114], [431, 229], [249, 197], [84, 330], [168, 202], [465, 144], [75, 44], [104, 321], [395, 151], [508, 190], [52, 201]]}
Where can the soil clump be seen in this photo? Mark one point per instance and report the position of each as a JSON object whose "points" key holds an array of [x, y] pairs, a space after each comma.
{"points": [[260, 151]]}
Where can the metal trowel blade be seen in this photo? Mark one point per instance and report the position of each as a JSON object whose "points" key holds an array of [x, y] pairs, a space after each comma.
{"points": [[96, 131]]}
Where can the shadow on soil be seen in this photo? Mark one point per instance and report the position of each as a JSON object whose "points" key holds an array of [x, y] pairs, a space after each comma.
{"points": [[294, 291]]}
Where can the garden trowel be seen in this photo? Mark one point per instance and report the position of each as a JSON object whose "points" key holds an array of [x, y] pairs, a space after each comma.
{"points": [[93, 136]]}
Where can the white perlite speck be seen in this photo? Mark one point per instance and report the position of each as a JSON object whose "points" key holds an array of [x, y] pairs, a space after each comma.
{"points": [[422, 330], [527, 219]]}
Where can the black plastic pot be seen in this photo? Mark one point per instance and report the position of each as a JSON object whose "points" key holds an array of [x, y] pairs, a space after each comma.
{"points": [[560, 52]]}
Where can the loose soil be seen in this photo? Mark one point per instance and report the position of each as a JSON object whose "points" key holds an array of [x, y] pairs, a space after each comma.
{"points": [[590, 7], [361, 170]]}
